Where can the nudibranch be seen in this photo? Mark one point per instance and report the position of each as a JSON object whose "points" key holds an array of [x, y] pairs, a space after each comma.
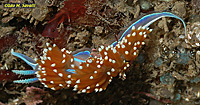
{"points": [[85, 72]]}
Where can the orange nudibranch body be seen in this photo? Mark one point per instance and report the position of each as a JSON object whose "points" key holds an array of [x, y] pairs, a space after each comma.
{"points": [[83, 71]]}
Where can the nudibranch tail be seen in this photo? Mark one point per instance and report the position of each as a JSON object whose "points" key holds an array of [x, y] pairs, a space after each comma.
{"points": [[146, 21]]}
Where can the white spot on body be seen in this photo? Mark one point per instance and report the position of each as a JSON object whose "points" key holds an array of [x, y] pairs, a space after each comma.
{"points": [[107, 48], [98, 66], [43, 62], [139, 28], [110, 80], [108, 73], [68, 85], [69, 76], [72, 59], [60, 74], [45, 50], [96, 89], [113, 61], [114, 51], [128, 65], [35, 59], [118, 46], [133, 34], [43, 72], [100, 89], [49, 48], [97, 85], [100, 49], [89, 60], [63, 49], [54, 45], [123, 46], [45, 58], [110, 60], [44, 79], [113, 70], [138, 43], [61, 85], [106, 57], [134, 48], [53, 88], [46, 86], [47, 44], [63, 61], [101, 62], [88, 87], [125, 41], [105, 53], [55, 70], [84, 90], [38, 75], [64, 55], [72, 65], [76, 86], [41, 58], [126, 52], [140, 33], [78, 81], [80, 67], [69, 82], [87, 65], [143, 43], [53, 65], [91, 77], [49, 58], [133, 28]]}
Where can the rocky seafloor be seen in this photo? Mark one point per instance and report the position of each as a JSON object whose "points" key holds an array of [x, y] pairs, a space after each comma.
{"points": [[166, 70]]}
